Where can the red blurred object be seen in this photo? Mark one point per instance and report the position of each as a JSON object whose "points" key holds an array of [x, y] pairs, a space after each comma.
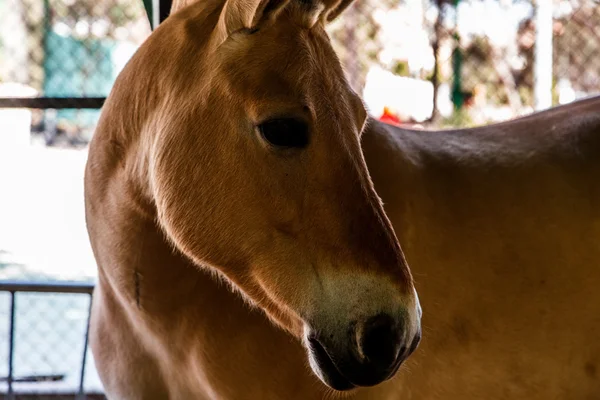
{"points": [[389, 117]]}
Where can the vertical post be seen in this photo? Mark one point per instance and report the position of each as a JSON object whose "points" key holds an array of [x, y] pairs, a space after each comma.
{"points": [[81, 393], [157, 11], [11, 346], [165, 9], [542, 89], [435, 46], [155, 14]]}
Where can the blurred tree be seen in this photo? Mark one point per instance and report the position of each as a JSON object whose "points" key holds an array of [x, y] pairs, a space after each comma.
{"points": [[356, 39]]}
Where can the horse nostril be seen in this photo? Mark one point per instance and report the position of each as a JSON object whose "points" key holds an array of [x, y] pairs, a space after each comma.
{"points": [[380, 341]]}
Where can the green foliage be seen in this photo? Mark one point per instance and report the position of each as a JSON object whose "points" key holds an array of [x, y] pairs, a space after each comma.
{"points": [[480, 49], [401, 68], [555, 92], [460, 118], [526, 94], [428, 76]]}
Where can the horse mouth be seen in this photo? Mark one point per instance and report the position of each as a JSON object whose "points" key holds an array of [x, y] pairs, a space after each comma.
{"points": [[329, 372], [331, 375]]}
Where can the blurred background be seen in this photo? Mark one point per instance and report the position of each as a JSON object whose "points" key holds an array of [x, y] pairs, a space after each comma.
{"points": [[427, 64], [462, 63]]}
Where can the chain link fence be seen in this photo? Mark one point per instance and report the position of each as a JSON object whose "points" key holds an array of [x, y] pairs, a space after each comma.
{"points": [[441, 63], [59, 57], [43, 334], [69, 51]]}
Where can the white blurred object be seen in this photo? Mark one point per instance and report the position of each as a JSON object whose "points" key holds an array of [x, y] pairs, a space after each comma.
{"points": [[407, 97], [444, 103], [15, 123], [566, 93], [122, 54]]}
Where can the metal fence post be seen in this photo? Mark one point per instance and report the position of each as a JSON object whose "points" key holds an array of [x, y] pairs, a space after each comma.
{"points": [[11, 346]]}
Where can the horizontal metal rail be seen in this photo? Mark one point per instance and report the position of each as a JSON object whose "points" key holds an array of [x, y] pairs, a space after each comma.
{"points": [[52, 102], [13, 287], [50, 287], [52, 396], [36, 378]]}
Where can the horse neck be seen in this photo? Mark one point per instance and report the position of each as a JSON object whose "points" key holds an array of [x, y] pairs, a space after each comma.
{"points": [[143, 263], [181, 310]]}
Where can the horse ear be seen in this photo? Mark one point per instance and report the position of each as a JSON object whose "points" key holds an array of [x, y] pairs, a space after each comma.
{"points": [[338, 9], [249, 14]]}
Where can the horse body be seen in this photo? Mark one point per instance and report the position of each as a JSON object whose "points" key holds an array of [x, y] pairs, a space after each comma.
{"points": [[221, 266], [501, 228]]}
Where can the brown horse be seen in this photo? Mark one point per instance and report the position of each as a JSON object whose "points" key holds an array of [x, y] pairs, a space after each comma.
{"points": [[228, 158], [239, 238], [501, 228]]}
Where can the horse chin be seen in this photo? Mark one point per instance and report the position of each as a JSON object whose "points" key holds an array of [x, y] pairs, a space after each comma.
{"points": [[325, 369]]}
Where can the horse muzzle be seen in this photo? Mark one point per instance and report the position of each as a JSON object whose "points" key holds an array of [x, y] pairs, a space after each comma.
{"points": [[364, 354]]}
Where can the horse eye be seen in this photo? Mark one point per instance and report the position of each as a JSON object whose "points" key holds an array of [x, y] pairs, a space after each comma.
{"points": [[285, 132]]}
